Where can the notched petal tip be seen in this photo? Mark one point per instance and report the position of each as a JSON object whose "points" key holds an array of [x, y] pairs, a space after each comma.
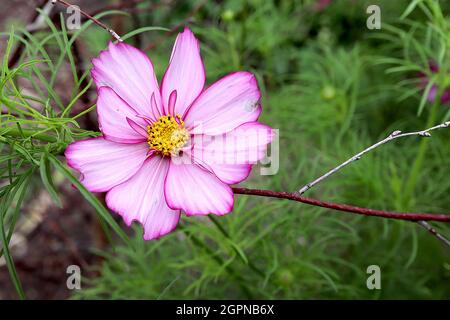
{"points": [[141, 199], [212, 196], [147, 236], [187, 29], [185, 73]]}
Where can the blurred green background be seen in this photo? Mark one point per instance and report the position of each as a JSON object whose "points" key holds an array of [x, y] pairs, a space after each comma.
{"points": [[330, 85]]}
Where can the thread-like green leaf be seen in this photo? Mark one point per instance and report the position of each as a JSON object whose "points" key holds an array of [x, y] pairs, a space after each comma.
{"points": [[47, 180], [100, 209]]}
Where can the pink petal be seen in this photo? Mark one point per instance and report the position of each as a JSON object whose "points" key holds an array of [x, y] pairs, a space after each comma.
{"points": [[231, 173], [196, 191], [112, 116], [156, 110], [104, 164], [226, 104], [229, 156], [141, 198], [432, 94], [129, 72], [185, 74]]}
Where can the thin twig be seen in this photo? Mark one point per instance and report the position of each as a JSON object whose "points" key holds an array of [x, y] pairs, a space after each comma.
{"points": [[36, 20], [394, 135], [39, 22], [433, 231], [408, 216], [96, 21]]}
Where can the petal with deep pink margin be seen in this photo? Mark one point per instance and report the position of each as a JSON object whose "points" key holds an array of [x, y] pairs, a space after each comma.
{"points": [[112, 117], [104, 164], [230, 156], [231, 173], [196, 191], [141, 198], [129, 72], [226, 104], [185, 73]]}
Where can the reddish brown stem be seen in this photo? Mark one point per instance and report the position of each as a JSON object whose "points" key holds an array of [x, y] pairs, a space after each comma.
{"points": [[410, 216]]}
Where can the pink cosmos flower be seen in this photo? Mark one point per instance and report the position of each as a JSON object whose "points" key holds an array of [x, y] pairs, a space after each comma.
{"points": [[445, 98], [169, 149], [320, 5]]}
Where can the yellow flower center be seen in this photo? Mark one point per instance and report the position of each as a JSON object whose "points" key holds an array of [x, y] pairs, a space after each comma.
{"points": [[167, 135]]}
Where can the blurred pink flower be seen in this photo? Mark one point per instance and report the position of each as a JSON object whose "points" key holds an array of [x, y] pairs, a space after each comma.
{"points": [[433, 90], [320, 5], [163, 150]]}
